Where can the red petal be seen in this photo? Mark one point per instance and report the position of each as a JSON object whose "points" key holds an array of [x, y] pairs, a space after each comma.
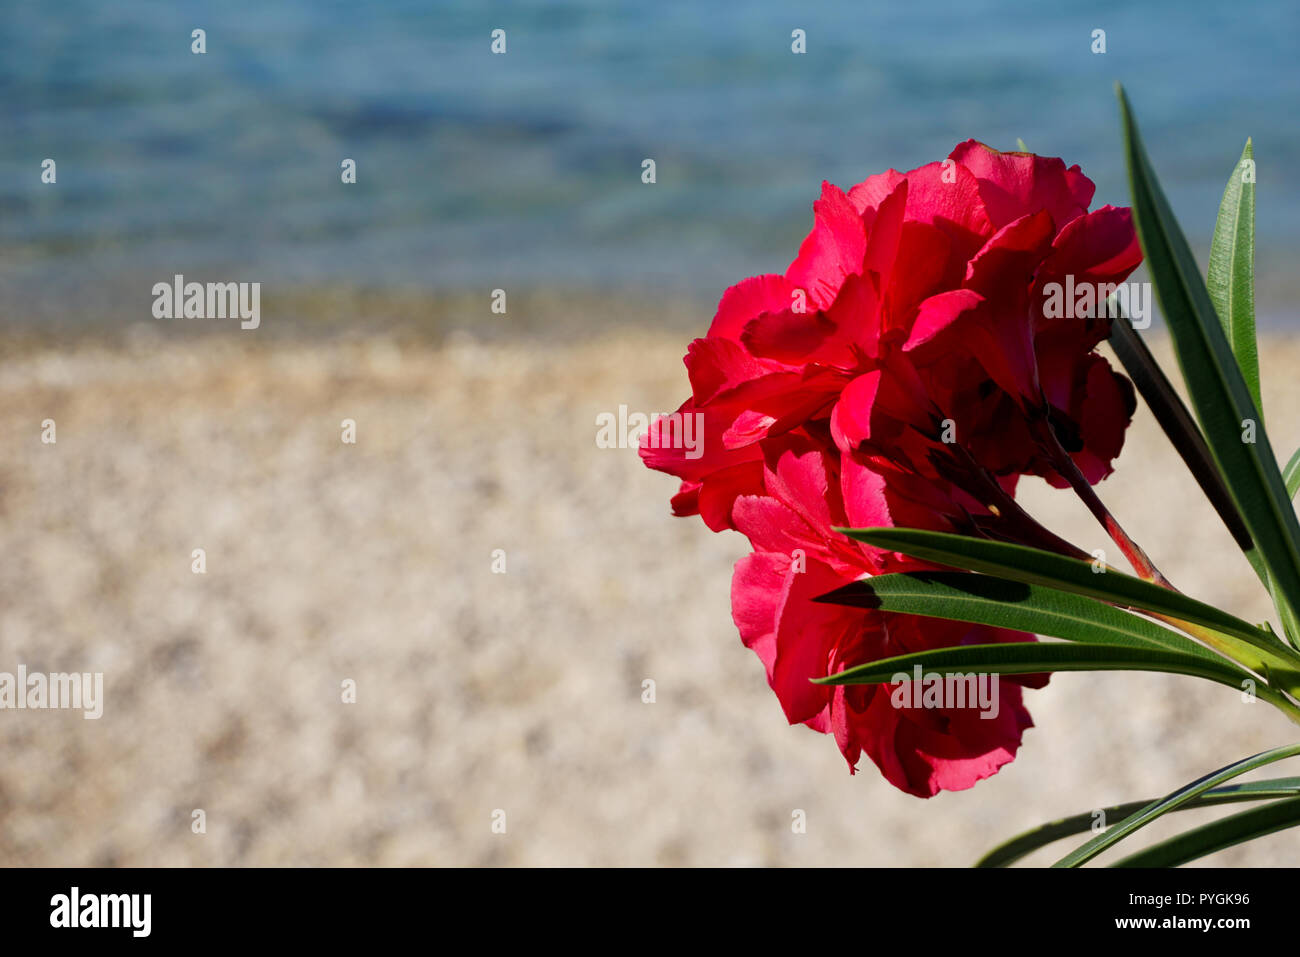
{"points": [[747, 299], [833, 250], [1013, 184]]}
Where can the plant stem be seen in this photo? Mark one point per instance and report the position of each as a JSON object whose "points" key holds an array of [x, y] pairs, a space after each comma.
{"points": [[1065, 466]]}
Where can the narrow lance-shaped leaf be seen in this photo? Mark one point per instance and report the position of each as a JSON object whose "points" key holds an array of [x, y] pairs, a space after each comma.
{"points": [[1291, 475], [1036, 566], [1244, 643], [1138, 644], [1217, 835], [1219, 394], [1171, 802], [1028, 658], [1134, 643], [1230, 278], [1025, 844]]}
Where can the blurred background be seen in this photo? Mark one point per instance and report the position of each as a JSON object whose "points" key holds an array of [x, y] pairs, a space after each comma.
{"points": [[373, 561]]}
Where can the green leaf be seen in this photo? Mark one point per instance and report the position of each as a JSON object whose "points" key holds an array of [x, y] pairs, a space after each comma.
{"points": [[1024, 844], [1029, 658], [1291, 476], [1230, 279], [1116, 640], [1038, 567], [1219, 394], [1020, 145], [1171, 802], [1290, 623], [1134, 643], [1217, 835]]}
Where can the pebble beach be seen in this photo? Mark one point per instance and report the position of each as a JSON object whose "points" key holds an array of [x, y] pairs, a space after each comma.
{"points": [[497, 589]]}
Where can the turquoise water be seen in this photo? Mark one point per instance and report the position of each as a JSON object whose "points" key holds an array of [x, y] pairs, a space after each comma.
{"points": [[478, 169]]}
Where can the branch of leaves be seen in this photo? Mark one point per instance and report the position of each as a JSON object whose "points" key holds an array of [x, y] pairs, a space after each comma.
{"points": [[1108, 620], [1281, 810], [1091, 606], [1211, 324]]}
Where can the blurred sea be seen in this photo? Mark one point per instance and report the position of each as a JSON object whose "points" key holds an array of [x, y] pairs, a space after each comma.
{"points": [[489, 170]]}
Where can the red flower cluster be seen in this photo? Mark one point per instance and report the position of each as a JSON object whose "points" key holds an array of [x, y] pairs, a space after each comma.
{"points": [[902, 372]]}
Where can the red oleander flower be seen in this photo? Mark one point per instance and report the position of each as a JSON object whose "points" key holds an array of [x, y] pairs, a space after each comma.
{"points": [[797, 558], [905, 371]]}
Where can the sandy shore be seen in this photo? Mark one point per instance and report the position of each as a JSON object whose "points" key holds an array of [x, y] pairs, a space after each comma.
{"points": [[476, 691]]}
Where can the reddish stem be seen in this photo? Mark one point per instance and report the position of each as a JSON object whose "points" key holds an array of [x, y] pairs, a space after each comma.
{"points": [[1068, 470]]}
